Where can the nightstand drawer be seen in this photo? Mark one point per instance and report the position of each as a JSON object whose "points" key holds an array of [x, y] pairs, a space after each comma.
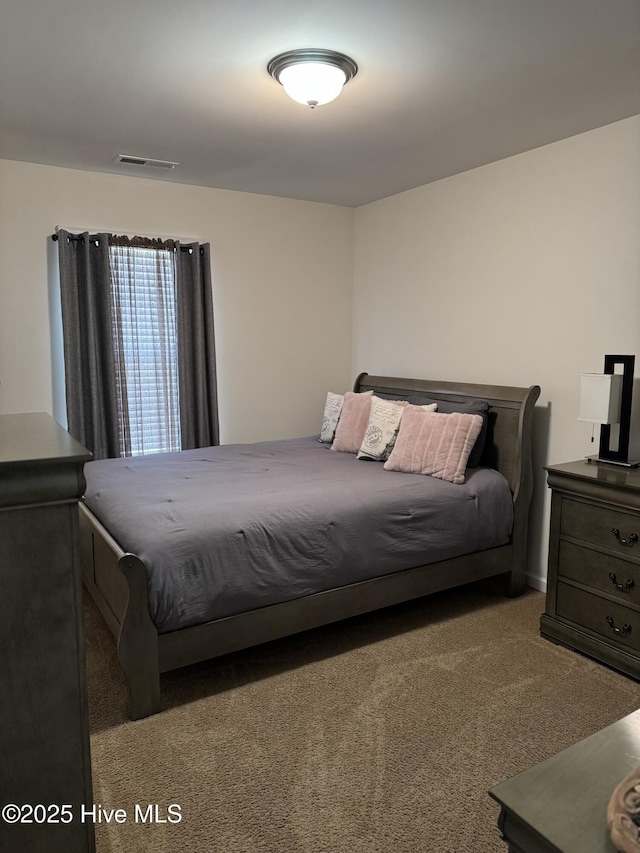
{"points": [[614, 622], [595, 524], [594, 569]]}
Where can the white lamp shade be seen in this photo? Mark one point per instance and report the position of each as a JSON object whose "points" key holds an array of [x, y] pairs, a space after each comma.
{"points": [[600, 396], [312, 83]]}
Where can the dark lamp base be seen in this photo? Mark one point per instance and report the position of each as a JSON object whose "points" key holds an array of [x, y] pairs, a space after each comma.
{"points": [[600, 461]]}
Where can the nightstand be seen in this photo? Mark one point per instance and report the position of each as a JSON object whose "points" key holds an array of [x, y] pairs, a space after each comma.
{"points": [[593, 584]]}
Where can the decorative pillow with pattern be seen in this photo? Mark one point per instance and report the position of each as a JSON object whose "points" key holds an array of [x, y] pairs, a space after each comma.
{"points": [[352, 425], [434, 443], [380, 435], [332, 409]]}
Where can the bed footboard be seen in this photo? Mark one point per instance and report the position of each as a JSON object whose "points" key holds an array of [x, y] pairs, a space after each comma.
{"points": [[138, 643], [118, 584]]}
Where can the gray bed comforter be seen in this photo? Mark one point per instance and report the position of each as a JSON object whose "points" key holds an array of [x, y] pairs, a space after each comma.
{"points": [[227, 529]]}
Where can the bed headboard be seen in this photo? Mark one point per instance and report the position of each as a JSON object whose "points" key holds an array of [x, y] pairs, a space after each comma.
{"points": [[508, 445]]}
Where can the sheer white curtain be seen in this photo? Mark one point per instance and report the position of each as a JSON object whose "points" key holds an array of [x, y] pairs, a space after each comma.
{"points": [[143, 293]]}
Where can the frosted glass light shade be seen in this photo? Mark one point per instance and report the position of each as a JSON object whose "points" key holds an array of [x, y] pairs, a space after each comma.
{"points": [[312, 76], [600, 396], [313, 83]]}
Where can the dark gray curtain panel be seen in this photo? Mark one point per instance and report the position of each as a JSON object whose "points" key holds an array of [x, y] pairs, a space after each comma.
{"points": [[199, 425], [101, 294], [92, 408]]}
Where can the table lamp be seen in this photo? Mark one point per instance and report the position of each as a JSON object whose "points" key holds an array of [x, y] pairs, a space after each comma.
{"points": [[605, 399]]}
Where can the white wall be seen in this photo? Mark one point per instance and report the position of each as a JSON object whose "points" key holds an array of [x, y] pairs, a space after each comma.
{"points": [[282, 278], [520, 272], [525, 271]]}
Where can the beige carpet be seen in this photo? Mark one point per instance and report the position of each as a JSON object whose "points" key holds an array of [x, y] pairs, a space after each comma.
{"points": [[383, 733]]}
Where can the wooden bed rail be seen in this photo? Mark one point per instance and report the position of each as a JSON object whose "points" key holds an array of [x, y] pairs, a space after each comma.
{"points": [[138, 642], [118, 583]]}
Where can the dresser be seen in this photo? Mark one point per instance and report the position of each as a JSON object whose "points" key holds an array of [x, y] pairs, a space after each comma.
{"points": [[44, 739], [593, 584], [560, 806]]}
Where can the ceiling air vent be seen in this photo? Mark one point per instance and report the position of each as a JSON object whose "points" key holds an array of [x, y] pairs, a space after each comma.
{"points": [[145, 161]]}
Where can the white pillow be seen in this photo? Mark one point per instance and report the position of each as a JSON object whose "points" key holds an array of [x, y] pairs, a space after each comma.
{"points": [[332, 409], [384, 421]]}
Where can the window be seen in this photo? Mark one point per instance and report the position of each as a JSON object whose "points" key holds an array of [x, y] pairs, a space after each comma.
{"points": [[139, 347], [143, 295]]}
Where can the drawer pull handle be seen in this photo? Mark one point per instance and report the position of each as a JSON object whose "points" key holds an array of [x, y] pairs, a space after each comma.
{"points": [[627, 587], [633, 537], [626, 628]]}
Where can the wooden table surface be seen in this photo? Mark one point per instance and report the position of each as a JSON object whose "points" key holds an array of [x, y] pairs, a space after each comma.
{"points": [[561, 804]]}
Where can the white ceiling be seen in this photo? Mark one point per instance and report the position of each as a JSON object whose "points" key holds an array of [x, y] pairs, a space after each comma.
{"points": [[443, 86]]}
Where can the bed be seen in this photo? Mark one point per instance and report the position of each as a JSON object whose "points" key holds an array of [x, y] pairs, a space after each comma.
{"points": [[196, 554]]}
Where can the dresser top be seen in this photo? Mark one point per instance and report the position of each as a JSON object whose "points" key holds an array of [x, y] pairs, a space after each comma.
{"points": [[599, 472], [35, 437], [564, 799]]}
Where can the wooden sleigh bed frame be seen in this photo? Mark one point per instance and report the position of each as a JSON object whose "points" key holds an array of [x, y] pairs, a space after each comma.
{"points": [[117, 580]]}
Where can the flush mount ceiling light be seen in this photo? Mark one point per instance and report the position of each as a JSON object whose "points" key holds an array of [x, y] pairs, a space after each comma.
{"points": [[312, 76]]}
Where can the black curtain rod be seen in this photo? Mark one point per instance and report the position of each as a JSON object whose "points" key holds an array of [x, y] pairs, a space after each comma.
{"points": [[56, 237]]}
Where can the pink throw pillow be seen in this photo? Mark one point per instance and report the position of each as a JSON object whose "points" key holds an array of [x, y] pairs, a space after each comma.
{"points": [[352, 425], [434, 443]]}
